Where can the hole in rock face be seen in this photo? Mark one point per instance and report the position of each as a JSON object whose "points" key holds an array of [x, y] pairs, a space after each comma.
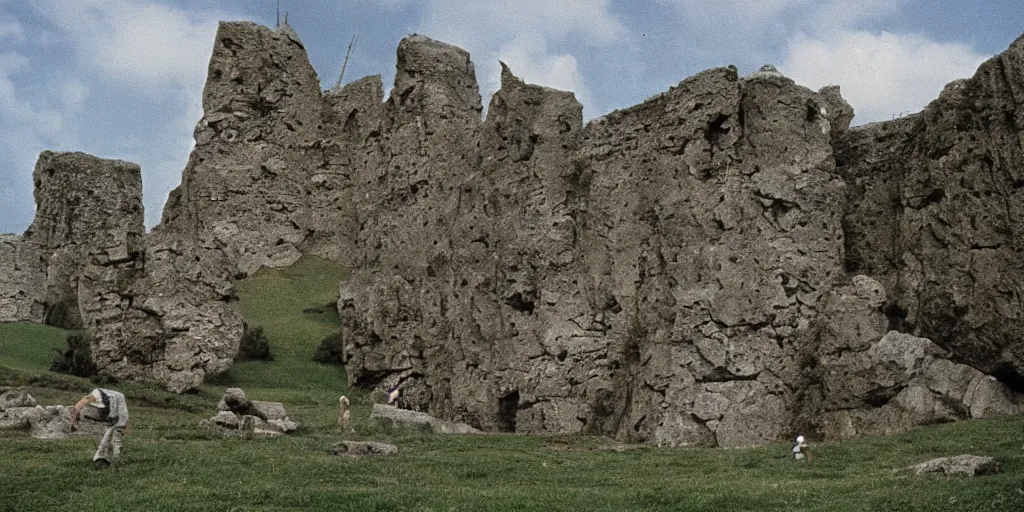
{"points": [[935, 196], [508, 407], [897, 317], [520, 302], [1009, 376], [716, 129]]}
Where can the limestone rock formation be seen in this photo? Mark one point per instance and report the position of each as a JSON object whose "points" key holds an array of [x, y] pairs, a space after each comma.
{"points": [[22, 270], [88, 212], [238, 415], [646, 277], [934, 208], [172, 318], [721, 264], [257, 149]]}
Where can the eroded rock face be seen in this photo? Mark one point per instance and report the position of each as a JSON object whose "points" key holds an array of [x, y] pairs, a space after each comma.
{"points": [[173, 320], [258, 149], [678, 272], [645, 277], [88, 212], [935, 202], [22, 274]]}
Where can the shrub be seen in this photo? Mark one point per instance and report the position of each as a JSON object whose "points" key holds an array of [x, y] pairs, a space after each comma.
{"points": [[77, 358], [254, 345], [330, 350]]}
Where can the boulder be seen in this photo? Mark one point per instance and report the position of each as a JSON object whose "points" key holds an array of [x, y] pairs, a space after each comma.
{"points": [[419, 420], [16, 398], [226, 419], [51, 422], [269, 410], [238, 415], [960, 465], [363, 448], [18, 418]]}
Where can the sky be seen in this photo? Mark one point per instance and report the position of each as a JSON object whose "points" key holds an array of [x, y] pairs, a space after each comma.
{"points": [[123, 78]]}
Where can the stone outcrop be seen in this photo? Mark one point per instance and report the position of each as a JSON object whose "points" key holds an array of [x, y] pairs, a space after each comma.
{"points": [[363, 448], [88, 212], [721, 264], [19, 411], [934, 208], [22, 270], [389, 415], [238, 415], [960, 465]]}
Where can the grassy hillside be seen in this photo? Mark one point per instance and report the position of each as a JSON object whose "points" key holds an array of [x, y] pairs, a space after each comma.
{"points": [[171, 465]]}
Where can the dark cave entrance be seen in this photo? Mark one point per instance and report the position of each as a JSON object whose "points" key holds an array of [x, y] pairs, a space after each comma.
{"points": [[508, 406]]}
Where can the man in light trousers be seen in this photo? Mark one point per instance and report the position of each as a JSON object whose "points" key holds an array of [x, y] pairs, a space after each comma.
{"points": [[107, 406]]}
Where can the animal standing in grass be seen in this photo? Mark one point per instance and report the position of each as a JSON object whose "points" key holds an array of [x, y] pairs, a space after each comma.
{"points": [[107, 406], [343, 412], [394, 395]]}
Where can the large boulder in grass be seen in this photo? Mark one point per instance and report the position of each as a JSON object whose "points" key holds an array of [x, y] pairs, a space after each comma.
{"points": [[387, 414], [960, 465], [363, 448], [50, 422], [236, 414], [16, 398]]}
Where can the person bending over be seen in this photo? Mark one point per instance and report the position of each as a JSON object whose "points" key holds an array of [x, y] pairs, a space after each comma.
{"points": [[109, 407]]}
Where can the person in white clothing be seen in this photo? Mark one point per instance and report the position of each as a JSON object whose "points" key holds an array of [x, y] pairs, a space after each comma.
{"points": [[106, 406]]}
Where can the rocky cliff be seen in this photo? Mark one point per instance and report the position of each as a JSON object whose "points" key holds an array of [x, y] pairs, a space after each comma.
{"points": [[723, 264]]}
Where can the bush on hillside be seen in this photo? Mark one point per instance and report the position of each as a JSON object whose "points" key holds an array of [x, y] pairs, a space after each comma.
{"points": [[254, 345], [330, 350], [76, 359]]}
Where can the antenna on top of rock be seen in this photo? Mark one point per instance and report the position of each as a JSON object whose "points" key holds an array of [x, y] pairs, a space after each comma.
{"points": [[278, 25], [337, 85]]}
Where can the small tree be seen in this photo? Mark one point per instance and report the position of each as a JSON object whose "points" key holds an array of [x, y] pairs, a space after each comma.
{"points": [[330, 350], [254, 345], [76, 359]]}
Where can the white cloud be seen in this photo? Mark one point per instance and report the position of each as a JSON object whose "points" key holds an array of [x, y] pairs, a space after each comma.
{"points": [[882, 75], [24, 127], [150, 49], [141, 43], [13, 31], [522, 34]]}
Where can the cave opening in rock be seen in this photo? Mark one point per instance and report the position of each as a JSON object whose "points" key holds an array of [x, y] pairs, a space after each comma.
{"points": [[508, 407]]}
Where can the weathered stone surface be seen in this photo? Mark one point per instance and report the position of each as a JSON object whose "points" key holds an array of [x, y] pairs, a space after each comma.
{"points": [[677, 272], [234, 400], [238, 415], [363, 448], [269, 410], [414, 419], [173, 320], [256, 150], [22, 277], [226, 419], [51, 422], [899, 382], [88, 213], [16, 398], [17, 418], [960, 465], [934, 213]]}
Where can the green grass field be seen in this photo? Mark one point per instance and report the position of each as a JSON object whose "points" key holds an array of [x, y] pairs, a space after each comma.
{"points": [[170, 464]]}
